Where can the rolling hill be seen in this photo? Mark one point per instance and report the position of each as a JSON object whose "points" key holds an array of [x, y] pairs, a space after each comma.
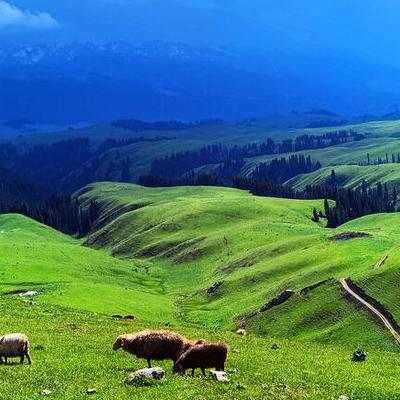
{"points": [[201, 260], [250, 249], [350, 176]]}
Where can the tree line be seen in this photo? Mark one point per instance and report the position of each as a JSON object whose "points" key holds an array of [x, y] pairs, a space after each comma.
{"points": [[176, 164], [59, 212]]}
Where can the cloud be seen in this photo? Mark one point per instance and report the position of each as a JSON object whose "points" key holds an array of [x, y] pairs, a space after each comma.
{"points": [[11, 17]]}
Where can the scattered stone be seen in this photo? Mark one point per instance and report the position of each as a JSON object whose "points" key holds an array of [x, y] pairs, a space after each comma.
{"points": [[233, 370], [91, 391], [241, 332], [235, 351], [212, 290], [129, 317], [275, 346], [239, 386], [45, 392], [117, 316], [219, 376], [282, 386], [149, 373], [359, 356], [29, 293]]}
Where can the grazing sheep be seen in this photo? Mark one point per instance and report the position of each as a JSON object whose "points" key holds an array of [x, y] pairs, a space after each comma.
{"points": [[241, 332], [202, 355], [14, 345], [161, 345]]}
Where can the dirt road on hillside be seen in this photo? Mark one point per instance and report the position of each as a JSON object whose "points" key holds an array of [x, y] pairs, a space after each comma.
{"points": [[373, 309]]}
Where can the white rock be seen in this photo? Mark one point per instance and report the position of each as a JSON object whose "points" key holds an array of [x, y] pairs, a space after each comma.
{"points": [[30, 293], [150, 373], [219, 376], [343, 397], [45, 392]]}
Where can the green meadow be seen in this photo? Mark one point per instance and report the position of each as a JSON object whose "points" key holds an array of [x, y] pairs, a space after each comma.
{"points": [[155, 253]]}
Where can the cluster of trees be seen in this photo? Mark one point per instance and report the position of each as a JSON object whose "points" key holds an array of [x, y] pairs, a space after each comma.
{"points": [[177, 164], [141, 126], [349, 203], [386, 159], [116, 143], [306, 142], [363, 200], [60, 212], [279, 170]]}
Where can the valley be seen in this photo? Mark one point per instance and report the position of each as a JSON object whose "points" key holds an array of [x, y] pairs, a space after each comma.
{"points": [[203, 260]]}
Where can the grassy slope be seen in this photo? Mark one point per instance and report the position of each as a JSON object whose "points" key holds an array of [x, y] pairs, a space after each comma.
{"points": [[258, 246], [382, 139], [350, 176], [35, 257], [261, 247]]}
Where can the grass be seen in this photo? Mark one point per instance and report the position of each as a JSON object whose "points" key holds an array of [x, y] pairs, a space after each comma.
{"points": [[382, 138], [174, 243], [350, 176], [74, 354], [257, 246], [35, 257]]}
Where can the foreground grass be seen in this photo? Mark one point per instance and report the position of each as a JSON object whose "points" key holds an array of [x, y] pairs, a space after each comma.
{"points": [[72, 352]]}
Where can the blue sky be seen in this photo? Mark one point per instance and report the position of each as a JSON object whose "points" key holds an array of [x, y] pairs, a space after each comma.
{"points": [[356, 28]]}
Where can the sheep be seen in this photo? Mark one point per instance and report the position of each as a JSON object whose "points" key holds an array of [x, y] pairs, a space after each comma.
{"points": [[158, 345], [203, 355], [14, 345]]}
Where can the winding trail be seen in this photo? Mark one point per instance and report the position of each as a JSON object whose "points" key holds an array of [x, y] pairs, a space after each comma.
{"points": [[375, 311]]}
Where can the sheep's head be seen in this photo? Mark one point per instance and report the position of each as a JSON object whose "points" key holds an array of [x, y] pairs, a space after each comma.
{"points": [[119, 343], [178, 368]]}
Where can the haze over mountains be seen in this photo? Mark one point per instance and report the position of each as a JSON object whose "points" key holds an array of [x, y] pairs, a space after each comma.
{"points": [[79, 82]]}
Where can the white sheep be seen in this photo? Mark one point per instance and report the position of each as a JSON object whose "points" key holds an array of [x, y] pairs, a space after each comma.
{"points": [[14, 345]]}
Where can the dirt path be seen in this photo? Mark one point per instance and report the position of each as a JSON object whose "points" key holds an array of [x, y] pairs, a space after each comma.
{"points": [[386, 322]]}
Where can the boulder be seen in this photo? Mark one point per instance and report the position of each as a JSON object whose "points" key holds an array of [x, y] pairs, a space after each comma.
{"points": [[359, 356], [147, 373], [212, 290], [241, 332], [29, 293], [219, 376]]}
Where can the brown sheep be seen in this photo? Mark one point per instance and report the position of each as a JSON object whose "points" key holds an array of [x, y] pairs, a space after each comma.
{"points": [[161, 345], [202, 355]]}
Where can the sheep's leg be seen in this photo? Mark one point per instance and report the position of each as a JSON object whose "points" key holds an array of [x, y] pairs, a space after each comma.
{"points": [[203, 371], [29, 358], [1, 361], [22, 359], [149, 363], [5, 360], [193, 371]]}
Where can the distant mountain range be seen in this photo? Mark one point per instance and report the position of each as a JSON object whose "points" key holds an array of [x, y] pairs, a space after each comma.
{"points": [[71, 83]]}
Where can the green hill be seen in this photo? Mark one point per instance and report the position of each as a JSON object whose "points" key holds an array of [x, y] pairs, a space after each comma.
{"points": [[167, 248], [258, 247], [35, 257], [350, 176]]}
